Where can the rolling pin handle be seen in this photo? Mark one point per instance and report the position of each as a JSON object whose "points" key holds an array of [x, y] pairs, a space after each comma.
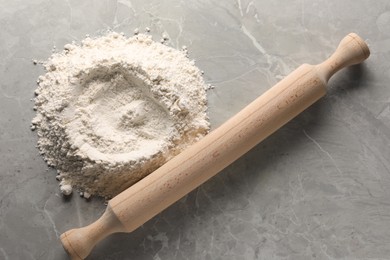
{"points": [[351, 50], [79, 242]]}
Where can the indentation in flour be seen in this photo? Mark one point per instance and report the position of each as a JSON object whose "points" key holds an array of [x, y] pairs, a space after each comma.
{"points": [[114, 109], [116, 115]]}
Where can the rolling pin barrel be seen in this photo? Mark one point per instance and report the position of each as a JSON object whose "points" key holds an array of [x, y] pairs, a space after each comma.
{"points": [[145, 199]]}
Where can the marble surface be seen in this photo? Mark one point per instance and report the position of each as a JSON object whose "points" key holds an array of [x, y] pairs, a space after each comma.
{"points": [[319, 188]]}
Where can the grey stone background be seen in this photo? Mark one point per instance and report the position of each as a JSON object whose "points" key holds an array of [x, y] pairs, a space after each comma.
{"points": [[319, 188]]}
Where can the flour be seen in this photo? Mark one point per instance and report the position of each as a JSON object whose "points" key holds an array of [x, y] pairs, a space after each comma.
{"points": [[113, 109]]}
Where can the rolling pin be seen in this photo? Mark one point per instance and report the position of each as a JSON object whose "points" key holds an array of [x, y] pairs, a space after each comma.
{"points": [[201, 161]]}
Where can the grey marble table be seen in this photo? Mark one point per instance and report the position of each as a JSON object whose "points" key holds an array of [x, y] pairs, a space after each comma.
{"points": [[319, 188]]}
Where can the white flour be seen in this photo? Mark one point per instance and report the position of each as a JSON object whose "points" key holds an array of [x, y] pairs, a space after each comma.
{"points": [[114, 109]]}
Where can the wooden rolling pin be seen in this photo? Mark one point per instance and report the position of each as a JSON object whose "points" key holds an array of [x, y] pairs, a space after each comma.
{"points": [[145, 199]]}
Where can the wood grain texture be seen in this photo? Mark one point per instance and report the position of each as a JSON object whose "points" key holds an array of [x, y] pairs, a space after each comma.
{"points": [[139, 203]]}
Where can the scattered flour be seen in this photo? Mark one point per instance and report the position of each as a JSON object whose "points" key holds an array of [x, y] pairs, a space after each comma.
{"points": [[113, 109]]}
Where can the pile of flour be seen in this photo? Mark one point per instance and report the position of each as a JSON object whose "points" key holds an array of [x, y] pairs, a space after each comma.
{"points": [[113, 109]]}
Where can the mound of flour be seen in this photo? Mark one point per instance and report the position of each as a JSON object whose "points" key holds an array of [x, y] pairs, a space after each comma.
{"points": [[113, 109]]}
